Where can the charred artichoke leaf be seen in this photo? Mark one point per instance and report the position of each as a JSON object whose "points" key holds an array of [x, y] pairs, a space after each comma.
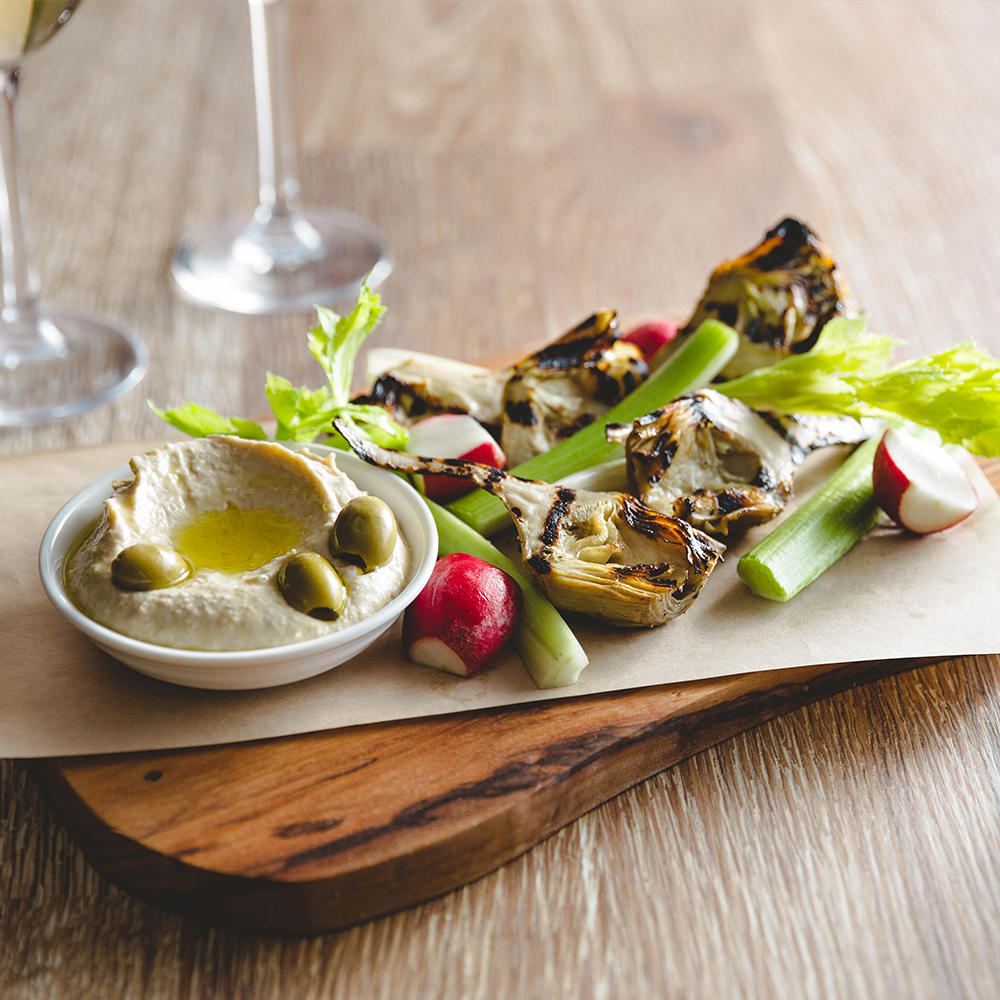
{"points": [[606, 555], [718, 463], [777, 296], [419, 388], [566, 385]]}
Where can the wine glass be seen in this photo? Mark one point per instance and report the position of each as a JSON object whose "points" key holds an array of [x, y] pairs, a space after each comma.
{"points": [[286, 257], [54, 362]]}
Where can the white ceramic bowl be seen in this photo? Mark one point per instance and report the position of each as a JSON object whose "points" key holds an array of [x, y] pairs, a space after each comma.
{"points": [[242, 669]]}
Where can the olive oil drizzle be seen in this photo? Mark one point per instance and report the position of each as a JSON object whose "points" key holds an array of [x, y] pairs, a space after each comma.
{"points": [[237, 541]]}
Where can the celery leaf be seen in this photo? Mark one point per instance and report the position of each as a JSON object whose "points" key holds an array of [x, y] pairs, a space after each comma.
{"points": [[335, 340], [956, 392], [304, 414], [301, 413], [197, 421]]}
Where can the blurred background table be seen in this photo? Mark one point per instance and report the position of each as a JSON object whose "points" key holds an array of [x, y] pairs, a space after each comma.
{"points": [[528, 162]]}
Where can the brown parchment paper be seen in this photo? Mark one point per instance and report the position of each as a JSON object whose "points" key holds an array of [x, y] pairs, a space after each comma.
{"points": [[891, 596]]}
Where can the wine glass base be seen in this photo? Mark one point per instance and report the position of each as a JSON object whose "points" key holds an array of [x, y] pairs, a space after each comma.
{"points": [[85, 361], [321, 258]]}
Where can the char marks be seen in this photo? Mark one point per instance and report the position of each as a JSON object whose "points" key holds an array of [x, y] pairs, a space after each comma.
{"points": [[520, 412], [539, 563], [556, 515], [778, 296], [718, 463], [598, 553], [784, 243], [567, 385]]}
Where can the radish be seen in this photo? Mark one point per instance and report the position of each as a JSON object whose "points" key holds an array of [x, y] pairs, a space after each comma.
{"points": [[453, 435], [651, 336], [919, 485], [462, 617]]}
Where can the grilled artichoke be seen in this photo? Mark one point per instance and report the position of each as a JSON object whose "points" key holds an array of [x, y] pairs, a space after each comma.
{"points": [[566, 385], [603, 554], [719, 464], [778, 296], [420, 387]]}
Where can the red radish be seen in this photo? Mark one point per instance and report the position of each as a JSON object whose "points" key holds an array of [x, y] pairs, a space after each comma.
{"points": [[652, 335], [462, 617], [453, 435], [919, 485]]}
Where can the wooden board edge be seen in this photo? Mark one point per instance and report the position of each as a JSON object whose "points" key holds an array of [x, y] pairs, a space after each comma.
{"points": [[408, 877]]}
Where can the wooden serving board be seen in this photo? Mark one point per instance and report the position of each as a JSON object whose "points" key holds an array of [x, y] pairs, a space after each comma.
{"points": [[315, 832]]}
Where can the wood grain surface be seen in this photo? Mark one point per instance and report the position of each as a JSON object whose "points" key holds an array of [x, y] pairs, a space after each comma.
{"points": [[321, 831], [529, 161]]}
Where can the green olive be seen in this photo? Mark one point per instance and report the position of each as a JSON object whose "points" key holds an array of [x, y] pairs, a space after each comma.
{"points": [[148, 566], [311, 585], [364, 533]]}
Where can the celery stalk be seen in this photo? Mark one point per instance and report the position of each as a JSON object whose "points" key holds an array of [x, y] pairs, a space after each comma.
{"points": [[697, 362], [549, 650], [824, 528]]}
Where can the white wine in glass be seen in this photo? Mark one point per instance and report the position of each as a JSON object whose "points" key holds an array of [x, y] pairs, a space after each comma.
{"points": [[54, 363], [285, 257]]}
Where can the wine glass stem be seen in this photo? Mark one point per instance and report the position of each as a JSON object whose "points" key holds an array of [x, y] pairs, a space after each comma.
{"points": [[20, 282], [279, 184]]}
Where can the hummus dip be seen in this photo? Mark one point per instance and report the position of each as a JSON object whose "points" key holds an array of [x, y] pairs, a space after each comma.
{"points": [[235, 509]]}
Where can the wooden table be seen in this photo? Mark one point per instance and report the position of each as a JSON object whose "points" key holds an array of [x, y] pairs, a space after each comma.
{"points": [[528, 162]]}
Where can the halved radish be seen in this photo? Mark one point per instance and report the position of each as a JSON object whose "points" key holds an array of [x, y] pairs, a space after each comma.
{"points": [[463, 616], [919, 485], [453, 435], [651, 336]]}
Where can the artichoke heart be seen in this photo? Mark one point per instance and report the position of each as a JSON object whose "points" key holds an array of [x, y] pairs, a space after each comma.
{"points": [[606, 555], [777, 296], [566, 385], [419, 388], [718, 463]]}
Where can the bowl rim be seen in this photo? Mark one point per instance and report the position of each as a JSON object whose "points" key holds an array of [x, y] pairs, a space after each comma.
{"points": [[64, 529]]}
